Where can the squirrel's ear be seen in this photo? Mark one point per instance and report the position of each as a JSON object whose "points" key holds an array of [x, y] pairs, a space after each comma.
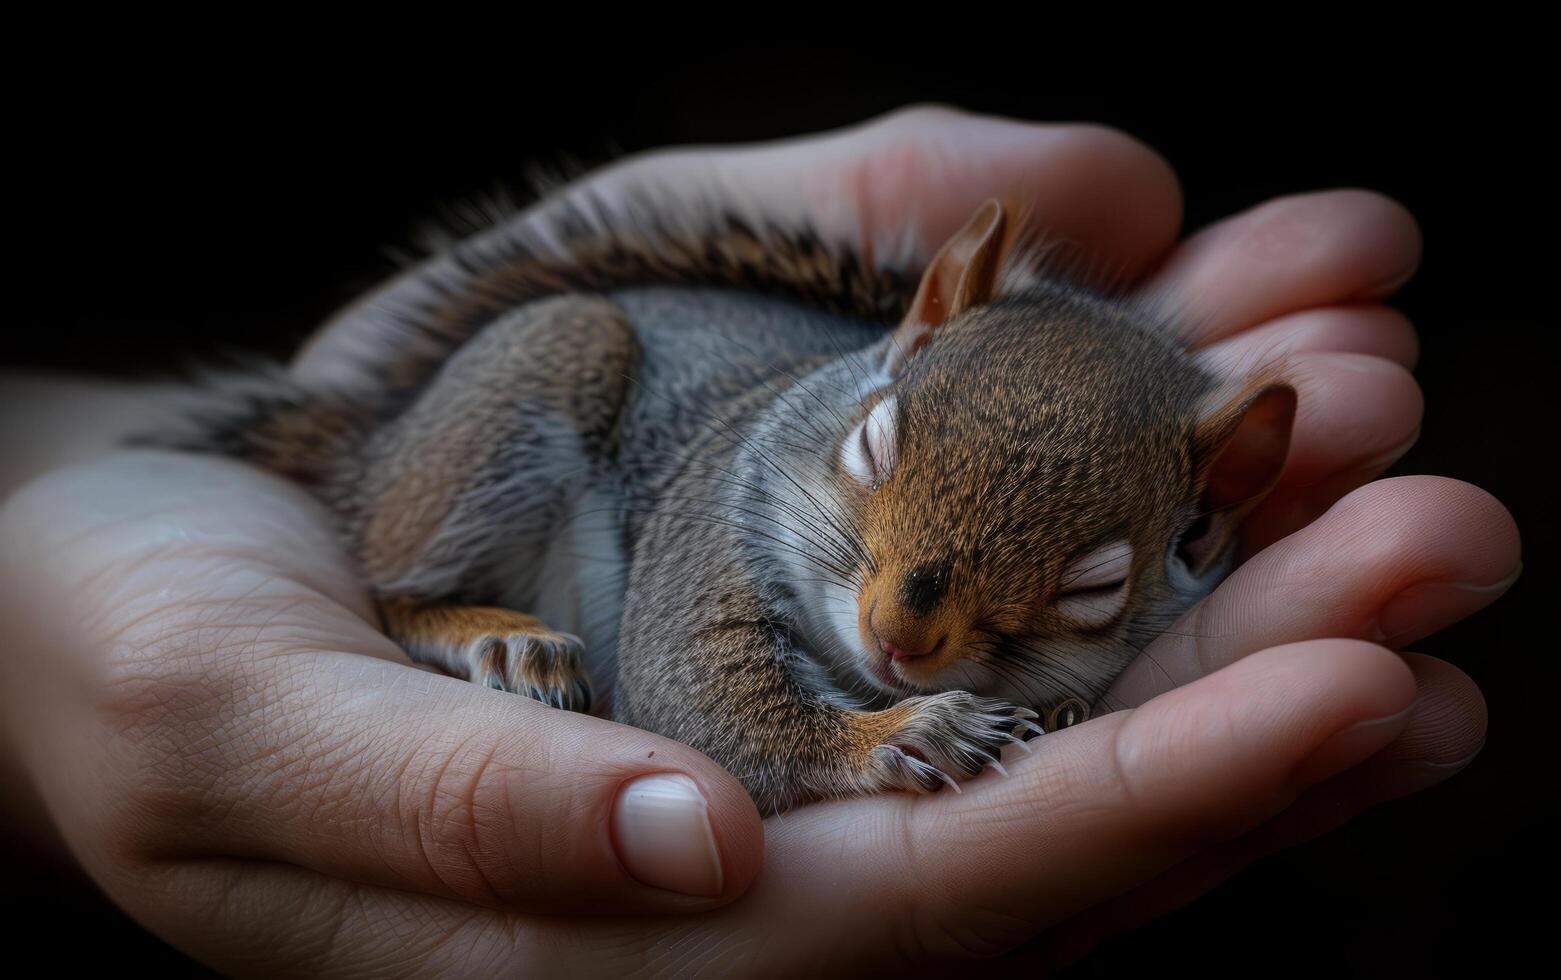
{"points": [[963, 274], [1239, 446]]}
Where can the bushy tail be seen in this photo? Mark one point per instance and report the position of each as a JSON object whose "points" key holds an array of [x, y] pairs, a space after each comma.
{"points": [[573, 242], [584, 242], [265, 417]]}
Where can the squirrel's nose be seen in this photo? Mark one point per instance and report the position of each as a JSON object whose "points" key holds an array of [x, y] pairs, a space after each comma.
{"points": [[900, 653], [923, 587], [901, 643]]}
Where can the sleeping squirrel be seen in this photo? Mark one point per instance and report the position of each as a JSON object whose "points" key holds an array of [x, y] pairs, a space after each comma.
{"points": [[842, 527]]}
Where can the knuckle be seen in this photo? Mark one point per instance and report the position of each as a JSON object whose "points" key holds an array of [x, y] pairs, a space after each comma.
{"points": [[917, 114], [458, 812]]}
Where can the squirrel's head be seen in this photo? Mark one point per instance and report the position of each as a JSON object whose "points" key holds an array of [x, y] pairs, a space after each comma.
{"points": [[1038, 486]]}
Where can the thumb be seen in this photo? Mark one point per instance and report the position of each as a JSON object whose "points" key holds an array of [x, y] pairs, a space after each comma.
{"points": [[443, 787]]}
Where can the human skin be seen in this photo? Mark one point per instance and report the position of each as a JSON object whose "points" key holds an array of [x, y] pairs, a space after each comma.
{"points": [[199, 701]]}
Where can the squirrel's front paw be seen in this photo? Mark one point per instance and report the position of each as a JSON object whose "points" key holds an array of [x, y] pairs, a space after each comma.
{"points": [[944, 738], [543, 664]]}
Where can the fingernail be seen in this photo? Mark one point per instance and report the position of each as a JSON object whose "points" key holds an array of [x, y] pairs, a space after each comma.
{"points": [[1349, 746], [1450, 768], [662, 827], [1394, 281], [1423, 609], [1395, 778]]}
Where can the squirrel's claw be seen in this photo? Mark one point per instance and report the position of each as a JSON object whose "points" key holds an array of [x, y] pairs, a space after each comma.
{"points": [[945, 738], [921, 773], [542, 665], [1032, 726]]}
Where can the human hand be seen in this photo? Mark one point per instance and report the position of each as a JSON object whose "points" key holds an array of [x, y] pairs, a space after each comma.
{"points": [[253, 771]]}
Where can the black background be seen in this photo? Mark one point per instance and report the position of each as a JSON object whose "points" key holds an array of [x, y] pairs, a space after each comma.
{"points": [[174, 208]]}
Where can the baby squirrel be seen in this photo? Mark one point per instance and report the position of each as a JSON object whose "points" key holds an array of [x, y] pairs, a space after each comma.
{"points": [[840, 528]]}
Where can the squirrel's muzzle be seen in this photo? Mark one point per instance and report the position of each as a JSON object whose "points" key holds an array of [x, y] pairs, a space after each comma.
{"points": [[906, 626]]}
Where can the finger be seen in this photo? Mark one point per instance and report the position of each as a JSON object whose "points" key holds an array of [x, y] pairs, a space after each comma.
{"points": [[263, 919], [1094, 810], [1377, 331], [1182, 771], [1392, 562], [1356, 415], [896, 186], [1444, 731], [258, 715], [1442, 736], [246, 918], [923, 171], [1284, 256]]}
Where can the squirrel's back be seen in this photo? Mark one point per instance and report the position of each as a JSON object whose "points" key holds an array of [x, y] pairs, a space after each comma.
{"points": [[707, 357]]}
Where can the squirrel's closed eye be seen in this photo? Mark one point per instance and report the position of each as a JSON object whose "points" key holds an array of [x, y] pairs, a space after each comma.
{"points": [[868, 453], [1094, 589]]}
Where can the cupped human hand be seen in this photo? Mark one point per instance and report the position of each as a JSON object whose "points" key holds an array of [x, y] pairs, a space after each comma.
{"points": [[200, 697], [245, 764], [1299, 281]]}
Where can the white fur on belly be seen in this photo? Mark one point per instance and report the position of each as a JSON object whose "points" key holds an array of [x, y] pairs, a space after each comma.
{"points": [[579, 586]]}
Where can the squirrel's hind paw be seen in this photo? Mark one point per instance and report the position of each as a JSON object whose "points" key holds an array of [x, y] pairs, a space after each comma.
{"points": [[495, 647], [544, 665]]}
